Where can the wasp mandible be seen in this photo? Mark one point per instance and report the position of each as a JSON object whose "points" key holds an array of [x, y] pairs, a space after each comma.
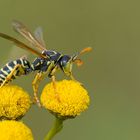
{"points": [[46, 63]]}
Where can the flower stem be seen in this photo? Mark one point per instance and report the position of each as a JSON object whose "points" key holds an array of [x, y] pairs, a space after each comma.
{"points": [[57, 126]]}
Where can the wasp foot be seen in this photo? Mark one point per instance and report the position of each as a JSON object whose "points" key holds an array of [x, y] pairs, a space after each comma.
{"points": [[36, 101], [78, 82], [57, 96]]}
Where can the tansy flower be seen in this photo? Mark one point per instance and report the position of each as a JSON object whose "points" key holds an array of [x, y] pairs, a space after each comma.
{"points": [[14, 102], [68, 100], [14, 130]]}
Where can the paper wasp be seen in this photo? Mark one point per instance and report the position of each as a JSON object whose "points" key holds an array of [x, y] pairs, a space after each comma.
{"points": [[47, 62]]}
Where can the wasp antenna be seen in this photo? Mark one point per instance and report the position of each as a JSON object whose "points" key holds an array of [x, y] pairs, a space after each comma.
{"points": [[74, 57], [79, 62], [88, 49]]}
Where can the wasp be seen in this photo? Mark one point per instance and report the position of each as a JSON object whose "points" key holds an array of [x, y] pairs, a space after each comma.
{"points": [[46, 63]]}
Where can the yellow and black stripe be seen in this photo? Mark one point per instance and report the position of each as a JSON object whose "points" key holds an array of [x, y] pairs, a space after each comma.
{"points": [[12, 70]]}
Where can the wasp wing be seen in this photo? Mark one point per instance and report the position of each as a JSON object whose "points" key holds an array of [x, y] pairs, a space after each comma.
{"points": [[38, 33], [21, 44], [24, 31]]}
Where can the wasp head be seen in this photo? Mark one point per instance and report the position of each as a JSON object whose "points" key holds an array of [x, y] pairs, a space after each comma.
{"points": [[66, 64], [67, 61]]}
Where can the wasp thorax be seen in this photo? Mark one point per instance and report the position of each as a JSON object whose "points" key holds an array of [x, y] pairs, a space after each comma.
{"points": [[66, 64]]}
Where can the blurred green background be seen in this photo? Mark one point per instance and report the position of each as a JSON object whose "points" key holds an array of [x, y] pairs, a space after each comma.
{"points": [[111, 72]]}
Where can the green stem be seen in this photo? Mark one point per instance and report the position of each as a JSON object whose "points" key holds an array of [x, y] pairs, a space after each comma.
{"points": [[57, 126]]}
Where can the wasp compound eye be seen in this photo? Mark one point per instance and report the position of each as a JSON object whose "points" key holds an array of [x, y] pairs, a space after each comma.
{"points": [[64, 60]]}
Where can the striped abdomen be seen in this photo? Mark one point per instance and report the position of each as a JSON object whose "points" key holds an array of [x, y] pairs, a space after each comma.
{"points": [[12, 70]]}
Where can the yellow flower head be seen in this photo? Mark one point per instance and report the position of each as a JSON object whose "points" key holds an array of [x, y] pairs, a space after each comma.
{"points": [[68, 100], [14, 130], [14, 102]]}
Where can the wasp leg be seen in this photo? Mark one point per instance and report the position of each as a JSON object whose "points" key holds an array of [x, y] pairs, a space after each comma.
{"points": [[72, 77], [35, 85], [54, 86], [54, 82], [9, 77]]}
